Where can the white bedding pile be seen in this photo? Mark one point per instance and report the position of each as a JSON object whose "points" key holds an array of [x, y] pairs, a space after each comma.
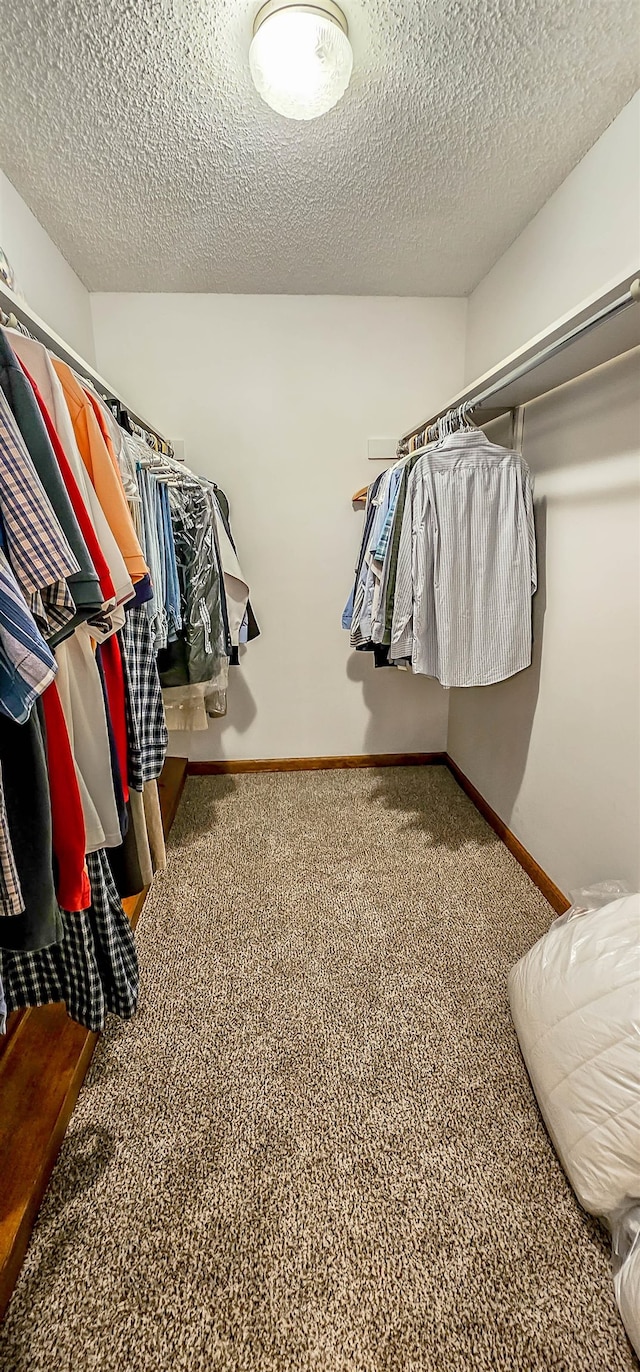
{"points": [[575, 1001]]}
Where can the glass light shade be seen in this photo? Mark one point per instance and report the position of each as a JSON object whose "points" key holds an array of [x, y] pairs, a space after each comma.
{"points": [[301, 62]]}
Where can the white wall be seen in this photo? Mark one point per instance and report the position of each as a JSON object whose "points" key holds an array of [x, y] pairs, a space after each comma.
{"points": [[43, 276], [275, 397], [556, 750], [586, 234]]}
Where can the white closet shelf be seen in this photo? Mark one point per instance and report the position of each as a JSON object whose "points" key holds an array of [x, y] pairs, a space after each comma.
{"points": [[13, 304], [602, 341]]}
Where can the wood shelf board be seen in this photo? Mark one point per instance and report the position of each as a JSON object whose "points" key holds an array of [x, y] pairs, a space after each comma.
{"points": [[610, 339], [12, 303], [42, 1072], [14, 1021], [170, 788], [42, 1068]]}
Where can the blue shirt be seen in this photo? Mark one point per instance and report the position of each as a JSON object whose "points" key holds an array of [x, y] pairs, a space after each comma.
{"points": [[168, 550], [380, 550], [361, 570]]}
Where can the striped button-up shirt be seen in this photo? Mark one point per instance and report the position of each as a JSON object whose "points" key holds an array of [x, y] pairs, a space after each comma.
{"points": [[466, 564], [27, 666]]}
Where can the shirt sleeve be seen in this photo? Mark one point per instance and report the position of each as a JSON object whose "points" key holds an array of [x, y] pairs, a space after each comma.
{"points": [[527, 491], [27, 666], [104, 475], [402, 623]]}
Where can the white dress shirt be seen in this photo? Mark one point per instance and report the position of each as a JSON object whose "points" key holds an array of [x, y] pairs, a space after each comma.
{"points": [[466, 564]]}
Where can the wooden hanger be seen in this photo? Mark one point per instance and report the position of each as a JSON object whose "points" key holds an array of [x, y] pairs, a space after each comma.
{"points": [[360, 496]]}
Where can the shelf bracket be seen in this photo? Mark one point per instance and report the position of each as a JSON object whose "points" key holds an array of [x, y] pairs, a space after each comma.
{"points": [[517, 428]]}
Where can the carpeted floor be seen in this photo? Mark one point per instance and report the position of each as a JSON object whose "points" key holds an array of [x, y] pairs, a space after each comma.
{"points": [[316, 1148]]}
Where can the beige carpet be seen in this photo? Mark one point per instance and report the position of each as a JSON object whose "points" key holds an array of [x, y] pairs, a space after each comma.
{"points": [[316, 1149]]}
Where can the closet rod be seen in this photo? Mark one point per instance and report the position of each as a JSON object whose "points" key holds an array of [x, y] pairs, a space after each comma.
{"points": [[475, 400], [10, 303]]}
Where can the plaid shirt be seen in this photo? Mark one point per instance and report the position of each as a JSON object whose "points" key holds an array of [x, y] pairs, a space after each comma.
{"points": [[146, 726], [95, 968], [11, 901], [113, 940], [36, 545]]}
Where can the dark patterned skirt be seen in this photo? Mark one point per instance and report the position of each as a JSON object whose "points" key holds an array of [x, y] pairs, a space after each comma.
{"points": [[94, 969]]}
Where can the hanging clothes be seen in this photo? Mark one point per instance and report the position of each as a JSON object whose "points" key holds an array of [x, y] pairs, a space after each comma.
{"points": [[105, 477], [27, 665], [143, 851], [170, 578], [196, 664], [447, 565], [382, 619], [83, 584], [157, 538], [109, 551], [94, 968], [28, 808], [235, 586], [85, 715], [249, 628], [35, 358], [199, 610], [85, 525], [34, 541], [11, 897], [147, 734], [60, 937], [111, 664], [76, 649], [67, 820], [153, 535], [360, 569], [367, 591], [466, 564]]}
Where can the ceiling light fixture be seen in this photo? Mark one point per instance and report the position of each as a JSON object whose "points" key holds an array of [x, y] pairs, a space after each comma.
{"points": [[300, 57]]}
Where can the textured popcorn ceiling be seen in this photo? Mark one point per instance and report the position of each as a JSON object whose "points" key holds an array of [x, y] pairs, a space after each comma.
{"points": [[133, 130]]}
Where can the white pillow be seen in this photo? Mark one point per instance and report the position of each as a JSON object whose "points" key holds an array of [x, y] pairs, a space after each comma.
{"points": [[575, 1001]]}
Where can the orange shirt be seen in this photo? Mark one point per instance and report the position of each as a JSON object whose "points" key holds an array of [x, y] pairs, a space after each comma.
{"points": [[95, 406], [104, 475]]}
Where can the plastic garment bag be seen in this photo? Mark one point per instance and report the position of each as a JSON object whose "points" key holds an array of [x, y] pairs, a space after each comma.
{"points": [[201, 645], [194, 668]]}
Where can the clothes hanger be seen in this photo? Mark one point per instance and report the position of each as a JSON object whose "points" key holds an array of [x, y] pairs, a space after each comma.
{"points": [[465, 412], [172, 471], [360, 496], [10, 322], [458, 419]]}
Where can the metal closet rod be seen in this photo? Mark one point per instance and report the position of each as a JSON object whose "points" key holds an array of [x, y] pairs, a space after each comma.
{"points": [[630, 297]]}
